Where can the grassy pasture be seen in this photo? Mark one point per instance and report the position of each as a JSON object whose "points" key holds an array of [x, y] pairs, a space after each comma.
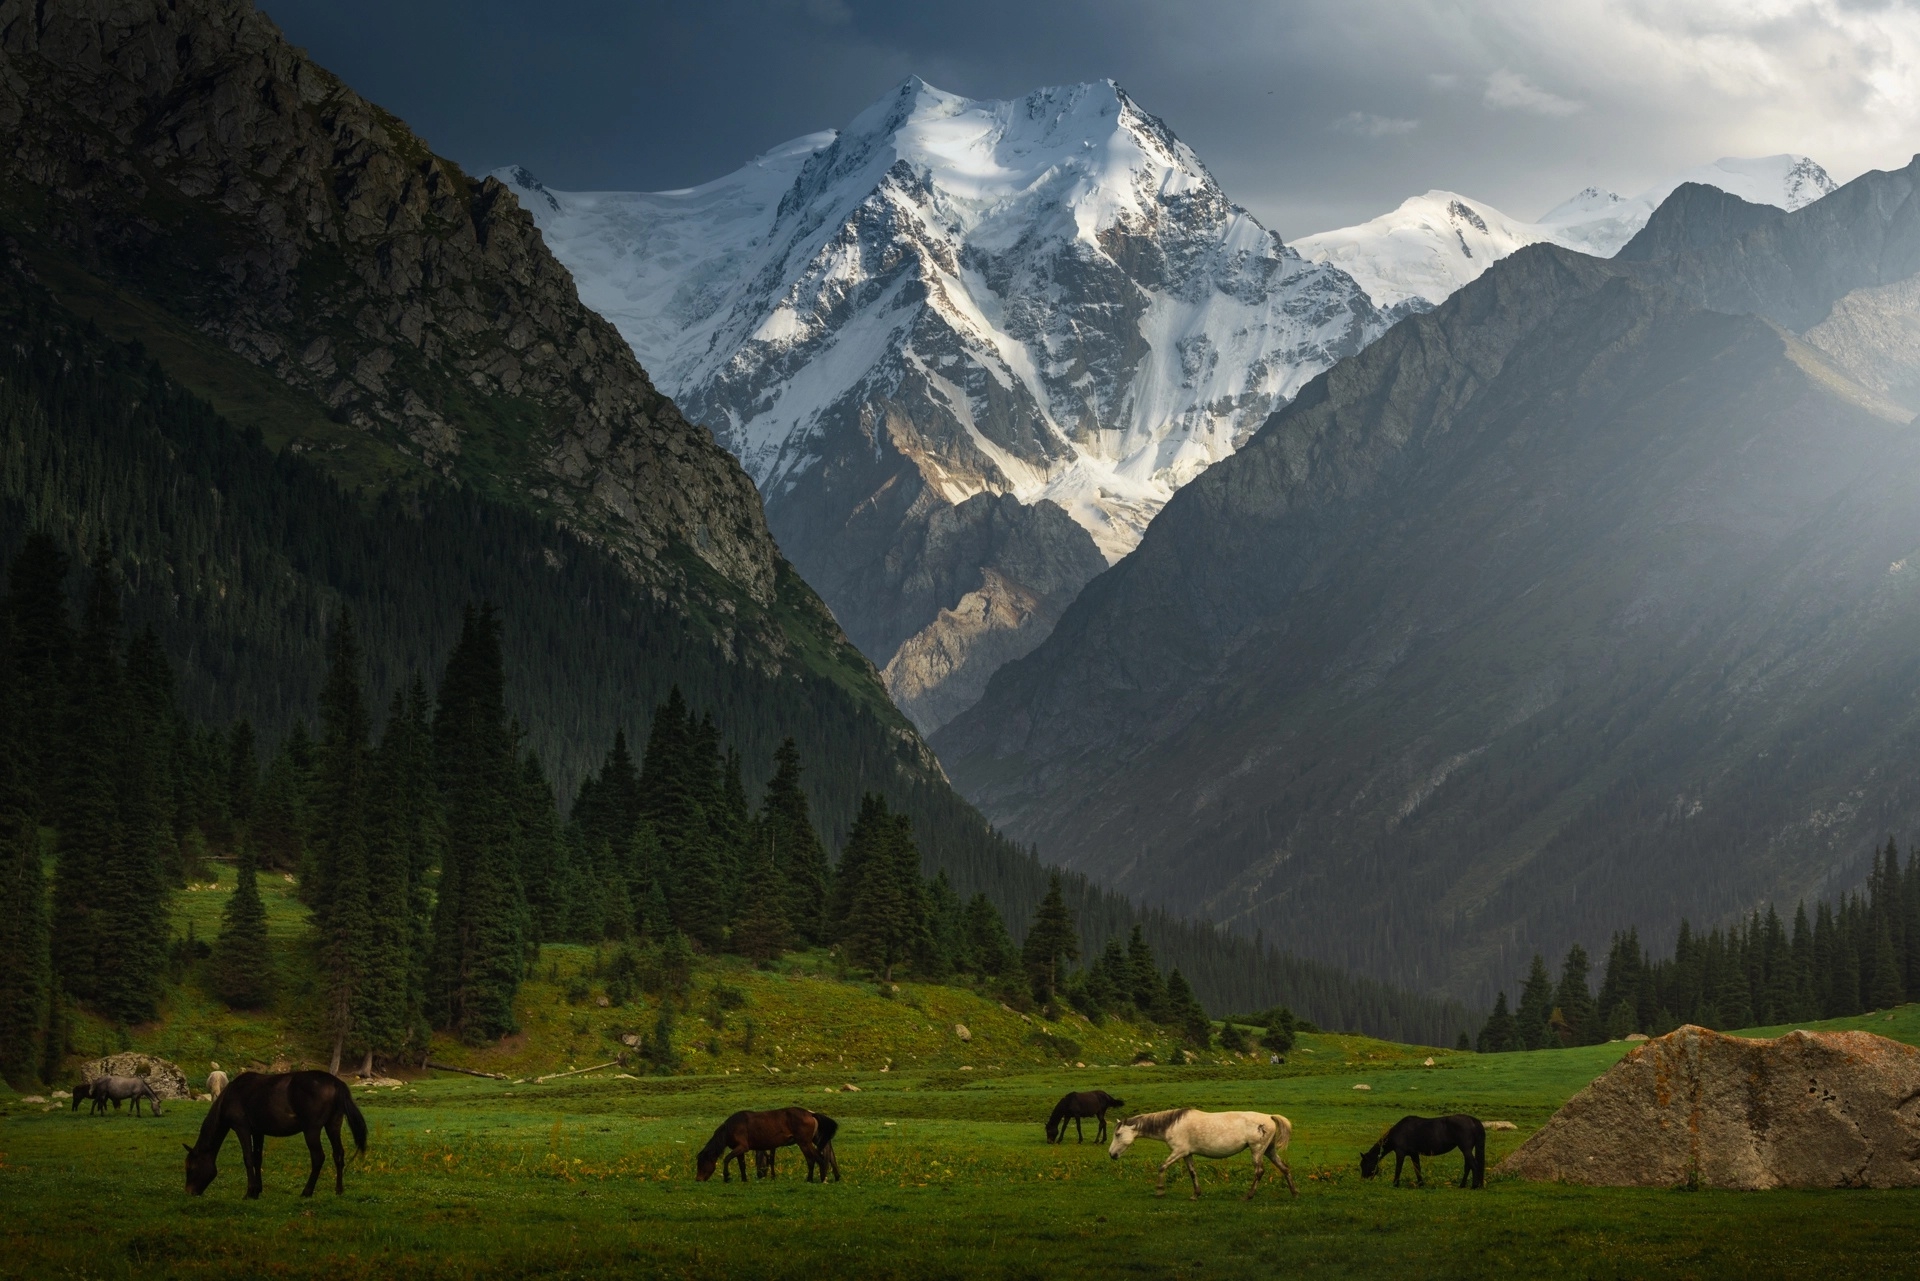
{"points": [[947, 1172]]}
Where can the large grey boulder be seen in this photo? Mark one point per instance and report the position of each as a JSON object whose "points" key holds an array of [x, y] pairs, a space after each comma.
{"points": [[1805, 1110], [166, 1078]]}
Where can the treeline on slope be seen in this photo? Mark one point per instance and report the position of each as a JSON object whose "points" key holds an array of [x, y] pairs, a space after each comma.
{"points": [[1858, 956], [432, 857], [241, 559]]}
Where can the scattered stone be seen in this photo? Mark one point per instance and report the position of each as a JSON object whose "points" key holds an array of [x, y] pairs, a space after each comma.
{"points": [[628, 1076], [167, 1080], [631, 1038], [1636, 1036], [960, 1030], [1363, 1087], [1501, 1125], [33, 1098], [60, 1094], [849, 1088], [1429, 1062], [1078, 1065], [602, 1002], [966, 1067], [1698, 1108]]}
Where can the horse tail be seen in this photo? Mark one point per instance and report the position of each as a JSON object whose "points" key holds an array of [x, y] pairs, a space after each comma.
{"points": [[826, 1128], [1282, 1136], [355, 1122]]}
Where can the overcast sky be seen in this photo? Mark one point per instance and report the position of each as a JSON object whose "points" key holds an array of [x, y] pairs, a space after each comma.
{"points": [[1312, 113]]}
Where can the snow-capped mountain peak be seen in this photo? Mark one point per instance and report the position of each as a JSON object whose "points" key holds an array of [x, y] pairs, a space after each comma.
{"points": [[1048, 298]]}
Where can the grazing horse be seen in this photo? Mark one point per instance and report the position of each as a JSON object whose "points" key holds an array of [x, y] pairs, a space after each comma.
{"points": [[763, 1163], [1189, 1132], [84, 1092], [745, 1132], [1077, 1107], [1418, 1136], [216, 1081], [116, 1088], [259, 1105]]}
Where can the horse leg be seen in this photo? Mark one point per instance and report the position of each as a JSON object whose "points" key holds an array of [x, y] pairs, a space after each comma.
{"points": [[339, 1156], [1193, 1177], [1080, 1135], [1287, 1172], [1418, 1177], [319, 1158], [1259, 1168], [812, 1155], [1399, 1160], [1160, 1188], [1100, 1134], [252, 1149]]}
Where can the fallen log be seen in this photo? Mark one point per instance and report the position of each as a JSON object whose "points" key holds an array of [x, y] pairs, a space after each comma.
{"points": [[444, 1067], [555, 1076]]}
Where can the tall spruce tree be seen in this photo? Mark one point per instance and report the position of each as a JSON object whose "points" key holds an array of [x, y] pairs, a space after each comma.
{"points": [[868, 840], [1573, 999], [480, 918], [1051, 942], [242, 960], [545, 869], [25, 976], [887, 921], [43, 656], [1533, 1022], [786, 823], [88, 810], [1185, 1012], [243, 772], [337, 890], [1501, 1034], [1148, 991], [762, 931], [988, 947], [384, 1015]]}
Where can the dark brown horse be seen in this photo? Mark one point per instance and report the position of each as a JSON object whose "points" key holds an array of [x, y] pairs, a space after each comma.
{"points": [[1076, 1108], [763, 1158], [257, 1106], [1418, 1136], [745, 1132]]}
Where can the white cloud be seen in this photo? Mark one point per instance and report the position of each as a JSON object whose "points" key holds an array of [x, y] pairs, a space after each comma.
{"points": [[1367, 125], [1511, 91]]}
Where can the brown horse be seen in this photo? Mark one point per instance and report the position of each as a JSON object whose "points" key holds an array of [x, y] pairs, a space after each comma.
{"points": [[745, 1132], [256, 1106], [763, 1162]]}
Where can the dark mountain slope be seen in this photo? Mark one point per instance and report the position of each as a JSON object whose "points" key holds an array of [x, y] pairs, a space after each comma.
{"points": [[376, 389], [1567, 606]]}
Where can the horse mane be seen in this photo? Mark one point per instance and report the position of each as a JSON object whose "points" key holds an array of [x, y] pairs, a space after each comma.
{"points": [[718, 1143], [1156, 1124]]}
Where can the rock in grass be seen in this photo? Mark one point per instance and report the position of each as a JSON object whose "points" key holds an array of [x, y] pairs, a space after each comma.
{"points": [[1363, 1087], [1501, 1125], [1697, 1108]]}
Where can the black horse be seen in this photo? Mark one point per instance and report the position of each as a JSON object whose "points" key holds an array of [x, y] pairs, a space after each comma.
{"points": [[1418, 1136], [1076, 1108], [258, 1105]]}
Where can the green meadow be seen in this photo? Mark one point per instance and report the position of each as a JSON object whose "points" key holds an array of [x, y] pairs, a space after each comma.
{"points": [[947, 1172]]}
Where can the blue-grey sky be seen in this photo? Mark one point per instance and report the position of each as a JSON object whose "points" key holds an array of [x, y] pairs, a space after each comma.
{"points": [[1313, 113]]}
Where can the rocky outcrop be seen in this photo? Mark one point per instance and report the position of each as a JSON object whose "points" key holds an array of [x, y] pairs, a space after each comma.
{"points": [[1805, 1110], [185, 153], [166, 1078]]}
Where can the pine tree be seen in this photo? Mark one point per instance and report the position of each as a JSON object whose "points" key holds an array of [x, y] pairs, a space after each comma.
{"points": [[546, 870], [762, 932], [480, 918], [886, 922], [1501, 1034], [88, 815], [867, 841], [940, 956], [988, 947], [42, 658], [243, 772], [24, 972], [787, 824], [1186, 1012], [1281, 1032], [384, 1013], [1148, 992], [1884, 988], [1573, 1001], [679, 785], [337, 889], [279, 826], [1051, 942], [242, 961], [659, 1048], [1533, 1022]]}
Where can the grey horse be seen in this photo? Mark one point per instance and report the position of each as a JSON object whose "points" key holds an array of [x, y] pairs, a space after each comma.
{"points": [[117, 1088]]}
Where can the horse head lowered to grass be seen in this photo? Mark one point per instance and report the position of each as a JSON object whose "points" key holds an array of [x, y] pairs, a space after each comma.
{"points": [[1189, 1132], [1418, 1136], [257, 1106]]}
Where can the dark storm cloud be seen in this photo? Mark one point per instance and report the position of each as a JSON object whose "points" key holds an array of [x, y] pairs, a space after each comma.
{"points": [[1312, 113]]}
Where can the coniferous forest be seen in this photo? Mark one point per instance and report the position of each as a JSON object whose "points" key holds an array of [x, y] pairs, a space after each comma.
{"points": [[1859, 955], [215, 650]]}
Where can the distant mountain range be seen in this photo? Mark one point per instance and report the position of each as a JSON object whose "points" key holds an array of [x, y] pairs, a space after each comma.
{"points": [[968, 349], [1585, 600], [1431, 245]]}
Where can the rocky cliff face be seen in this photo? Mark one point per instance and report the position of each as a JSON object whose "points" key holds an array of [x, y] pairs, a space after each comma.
{"points": [[1048, 299], [1570, 605], [188, 157]]}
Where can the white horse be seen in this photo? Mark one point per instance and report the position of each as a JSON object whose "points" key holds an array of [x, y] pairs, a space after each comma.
{"points": [[1190, 1132]]}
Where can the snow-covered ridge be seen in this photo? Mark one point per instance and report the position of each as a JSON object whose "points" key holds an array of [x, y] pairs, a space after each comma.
{"points": [[1056, 285], [1433, 244]]}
